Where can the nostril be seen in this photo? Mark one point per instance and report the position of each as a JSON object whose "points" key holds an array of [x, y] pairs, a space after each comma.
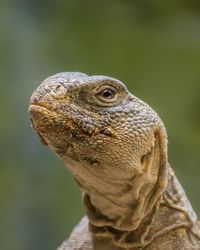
{"points": [[58, 90]]}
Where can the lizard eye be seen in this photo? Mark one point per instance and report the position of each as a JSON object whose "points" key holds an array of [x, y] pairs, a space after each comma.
{"points": [[107, 94]]}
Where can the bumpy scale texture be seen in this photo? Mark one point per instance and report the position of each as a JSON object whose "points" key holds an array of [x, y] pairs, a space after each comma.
{"points": [[115, 146]]}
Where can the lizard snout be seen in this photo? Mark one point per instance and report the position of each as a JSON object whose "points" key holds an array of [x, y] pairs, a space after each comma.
{"points": [[46, 91], [58, 90]]}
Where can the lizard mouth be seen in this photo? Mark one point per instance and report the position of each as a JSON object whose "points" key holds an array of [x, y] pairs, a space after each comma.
{"points": [[41, 116], [44, 118], [37, 113]]}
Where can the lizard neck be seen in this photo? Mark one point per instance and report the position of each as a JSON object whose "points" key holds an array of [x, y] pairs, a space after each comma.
{"points": [[121, 206], [135, 224], [114, 230], [123, 212]]}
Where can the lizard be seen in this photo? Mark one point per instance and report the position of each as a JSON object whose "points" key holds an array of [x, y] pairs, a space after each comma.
{"points": [[115, 145]]}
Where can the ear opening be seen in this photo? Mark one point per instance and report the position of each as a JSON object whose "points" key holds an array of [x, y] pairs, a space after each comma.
{"points": [[160, 150]]}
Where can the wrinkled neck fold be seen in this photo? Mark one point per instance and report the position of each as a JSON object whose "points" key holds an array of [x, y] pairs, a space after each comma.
{"points": [[117, 219], [129, 207]]}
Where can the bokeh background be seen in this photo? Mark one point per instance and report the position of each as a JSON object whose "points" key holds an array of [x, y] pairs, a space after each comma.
{"points": [[153, 46]]}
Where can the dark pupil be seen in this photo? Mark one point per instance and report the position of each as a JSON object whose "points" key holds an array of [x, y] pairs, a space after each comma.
{"points": [[108, 93]]}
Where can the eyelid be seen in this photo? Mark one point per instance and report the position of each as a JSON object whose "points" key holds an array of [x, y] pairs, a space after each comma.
{"points": [[101, 89], [104, 87]]}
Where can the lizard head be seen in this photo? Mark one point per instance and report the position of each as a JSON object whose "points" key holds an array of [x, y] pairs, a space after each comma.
{"points": [[95, 122], [102, 132]]}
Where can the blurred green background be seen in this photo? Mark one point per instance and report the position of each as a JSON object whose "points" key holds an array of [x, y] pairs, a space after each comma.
{"points": [[153, 46]]}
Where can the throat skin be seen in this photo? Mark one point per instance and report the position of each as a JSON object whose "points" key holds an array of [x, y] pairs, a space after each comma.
{"points": [[120, 205], [122, 208], [119, 217]]}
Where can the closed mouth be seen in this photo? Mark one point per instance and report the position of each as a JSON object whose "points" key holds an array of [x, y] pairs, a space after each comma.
{"points": [[42, 117], [39, 106]]}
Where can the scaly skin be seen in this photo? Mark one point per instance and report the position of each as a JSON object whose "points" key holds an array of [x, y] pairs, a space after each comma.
{"points": [[115, 146]]}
